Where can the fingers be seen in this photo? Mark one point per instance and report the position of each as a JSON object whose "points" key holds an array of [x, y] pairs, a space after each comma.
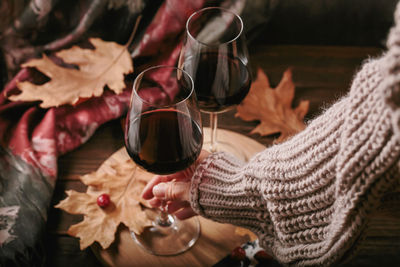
{"points": [[181, 209], [177, 205], [185, 213], [155, 202], [176, 194], [147, 192], [172, 206], [174, 190]]}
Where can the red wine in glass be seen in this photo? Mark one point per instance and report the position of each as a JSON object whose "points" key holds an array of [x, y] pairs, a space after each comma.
{"points": [[165, 141], [221, 81]]}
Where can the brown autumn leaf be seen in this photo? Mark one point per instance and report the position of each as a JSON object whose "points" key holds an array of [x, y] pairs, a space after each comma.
{"points": [[104, 65], [123, 181], [273, 107]]}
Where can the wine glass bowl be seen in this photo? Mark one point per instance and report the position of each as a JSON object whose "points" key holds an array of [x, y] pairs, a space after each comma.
{"points": [[215, 54], [163, 135]]}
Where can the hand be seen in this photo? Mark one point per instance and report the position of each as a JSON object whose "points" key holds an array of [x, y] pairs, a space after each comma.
{"points": [[174, 190]]}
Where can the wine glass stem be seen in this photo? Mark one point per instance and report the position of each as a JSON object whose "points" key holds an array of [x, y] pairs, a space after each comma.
{"points": [[163, 218], [213, 127]]}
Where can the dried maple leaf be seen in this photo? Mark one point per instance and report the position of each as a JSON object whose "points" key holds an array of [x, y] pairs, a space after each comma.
{"points": [[123, 181], [104, 65], [273, 107]]}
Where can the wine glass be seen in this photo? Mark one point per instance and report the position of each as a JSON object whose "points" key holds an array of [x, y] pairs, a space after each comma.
{"points": [[163, 135], [215, 54]]}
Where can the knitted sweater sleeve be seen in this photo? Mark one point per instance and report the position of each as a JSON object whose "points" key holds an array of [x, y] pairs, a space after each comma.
{"points": [[308, 199]]}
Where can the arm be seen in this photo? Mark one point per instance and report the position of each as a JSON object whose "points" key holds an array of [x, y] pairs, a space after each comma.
{"points": [[307, 198]]}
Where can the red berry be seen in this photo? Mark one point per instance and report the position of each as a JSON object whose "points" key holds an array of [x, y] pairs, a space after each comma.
{"points": [[263, 256], [238, 253], [103, 200]]}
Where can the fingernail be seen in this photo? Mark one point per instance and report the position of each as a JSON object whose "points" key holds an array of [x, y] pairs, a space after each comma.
{"points": [[159, 190]]}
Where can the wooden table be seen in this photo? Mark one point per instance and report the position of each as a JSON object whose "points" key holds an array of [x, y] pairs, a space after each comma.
{"points": [[321, 75]]}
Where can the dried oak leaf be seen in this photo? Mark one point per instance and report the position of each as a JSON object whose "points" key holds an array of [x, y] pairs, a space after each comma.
{"points": [[123, 181], [106, 64], [273, 107]]}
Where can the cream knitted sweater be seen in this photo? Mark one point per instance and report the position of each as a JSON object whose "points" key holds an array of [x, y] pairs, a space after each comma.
{"points": [[308, 199]]}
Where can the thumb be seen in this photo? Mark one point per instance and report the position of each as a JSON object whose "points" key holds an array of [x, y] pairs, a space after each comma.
{"points": [[172, 190]]}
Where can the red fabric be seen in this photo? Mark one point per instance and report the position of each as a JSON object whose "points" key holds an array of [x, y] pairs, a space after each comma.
{"points": [[39, 136]]}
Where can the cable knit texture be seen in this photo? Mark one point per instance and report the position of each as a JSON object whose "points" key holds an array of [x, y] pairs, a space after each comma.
{"points": [[308, 199]]}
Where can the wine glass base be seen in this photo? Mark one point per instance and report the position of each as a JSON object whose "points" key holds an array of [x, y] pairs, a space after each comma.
{"points": [[169, 240], [226, 147]]}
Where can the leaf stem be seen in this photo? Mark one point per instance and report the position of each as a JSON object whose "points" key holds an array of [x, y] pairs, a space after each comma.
{"points": [[133, 178], [125, 46]]}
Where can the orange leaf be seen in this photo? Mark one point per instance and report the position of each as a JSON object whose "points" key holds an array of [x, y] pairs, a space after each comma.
{"points": [[273, 107], [123, 181], [104, 65]]}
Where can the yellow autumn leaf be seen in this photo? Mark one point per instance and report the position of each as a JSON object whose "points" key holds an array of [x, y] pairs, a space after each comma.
{"points": [[273, 107], [123, 181], [104, 65]]}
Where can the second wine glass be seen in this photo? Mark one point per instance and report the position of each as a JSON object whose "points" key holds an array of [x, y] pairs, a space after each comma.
{"points": [[215, 54]]}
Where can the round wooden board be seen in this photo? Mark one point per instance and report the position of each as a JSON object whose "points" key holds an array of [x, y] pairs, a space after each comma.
{"points": [[216, 239]]}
